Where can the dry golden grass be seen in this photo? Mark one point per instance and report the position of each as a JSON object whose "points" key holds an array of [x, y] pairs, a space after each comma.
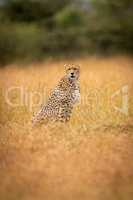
{"points": [[91, 157]]}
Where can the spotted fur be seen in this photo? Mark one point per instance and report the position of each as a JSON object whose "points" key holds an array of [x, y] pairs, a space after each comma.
{"points": [[63, 98]]}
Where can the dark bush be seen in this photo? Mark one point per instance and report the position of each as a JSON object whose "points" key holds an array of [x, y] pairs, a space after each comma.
{"points": [[34, 29]]}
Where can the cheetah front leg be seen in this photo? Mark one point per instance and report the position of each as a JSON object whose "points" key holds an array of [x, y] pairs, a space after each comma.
{"points": [[65, 112]]}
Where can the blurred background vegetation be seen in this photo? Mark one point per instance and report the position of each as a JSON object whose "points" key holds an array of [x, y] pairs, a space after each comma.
{"points": [[32, 30]]}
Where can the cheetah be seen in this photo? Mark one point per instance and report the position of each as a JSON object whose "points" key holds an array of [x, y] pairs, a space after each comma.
{"points": [[62, 99]]}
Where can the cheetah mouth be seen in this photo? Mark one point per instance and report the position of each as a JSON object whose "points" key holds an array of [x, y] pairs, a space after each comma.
{"points": [[72, 76]]}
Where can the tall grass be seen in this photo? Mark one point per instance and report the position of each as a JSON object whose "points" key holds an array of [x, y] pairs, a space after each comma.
{"points": [[88, 158]]}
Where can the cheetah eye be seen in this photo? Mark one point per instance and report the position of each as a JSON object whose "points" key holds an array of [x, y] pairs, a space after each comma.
{"points": [[76, 69]]}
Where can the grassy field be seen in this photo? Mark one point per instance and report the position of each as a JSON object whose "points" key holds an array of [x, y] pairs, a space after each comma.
{"points": [[91, 157]]}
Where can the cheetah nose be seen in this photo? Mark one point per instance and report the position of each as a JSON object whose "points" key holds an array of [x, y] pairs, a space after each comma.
{"points": [[72, 73]]}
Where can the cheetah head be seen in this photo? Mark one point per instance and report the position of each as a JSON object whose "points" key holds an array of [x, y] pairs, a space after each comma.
{"points": [[72, 71]]}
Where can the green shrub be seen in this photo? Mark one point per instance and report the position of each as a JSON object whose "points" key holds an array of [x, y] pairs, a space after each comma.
{"points": [[20, 42], [29, 41], [7, 44], [69, 16]]}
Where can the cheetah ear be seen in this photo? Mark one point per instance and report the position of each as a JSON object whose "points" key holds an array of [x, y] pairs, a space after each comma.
{"points": [[78, 67], [66, 67]]}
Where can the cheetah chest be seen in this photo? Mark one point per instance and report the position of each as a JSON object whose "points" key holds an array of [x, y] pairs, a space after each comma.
{"points": [[76, 96]]}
